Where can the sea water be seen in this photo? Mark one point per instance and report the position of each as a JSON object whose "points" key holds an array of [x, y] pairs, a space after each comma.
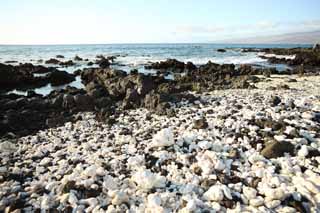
{"points": [[135, 56]]}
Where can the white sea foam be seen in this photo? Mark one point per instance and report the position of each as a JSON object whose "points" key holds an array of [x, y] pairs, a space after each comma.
{"points": [[247, 59], [288, 57], [234, 59]]}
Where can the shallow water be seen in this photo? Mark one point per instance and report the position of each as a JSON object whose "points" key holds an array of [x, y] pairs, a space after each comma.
{"points": [[135, 56]]}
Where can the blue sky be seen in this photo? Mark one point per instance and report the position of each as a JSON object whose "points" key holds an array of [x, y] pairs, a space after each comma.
{"points": [[139, 21]]}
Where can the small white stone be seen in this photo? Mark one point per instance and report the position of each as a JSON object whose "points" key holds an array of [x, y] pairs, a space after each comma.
{"points": [[7, 147], [303, 152], [308, 115], [73, 200], [163, 138], [192, 205], [3, 170], [64, 199], [216, 206], [227, 192], [273, 204], [219, 165], [46, 202], [205, 145], [215, 193], [256, 201], [45, 161], [119, 198], [286, 209], [249, 192], [154, 200], [92, 202], [147, 180], [154, 204], [290, 130], [311, 187], [280, 137], [275, 194]]}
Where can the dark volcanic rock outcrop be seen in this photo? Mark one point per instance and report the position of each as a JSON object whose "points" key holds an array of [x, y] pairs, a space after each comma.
{"points": [[118, 85], [104, 62], [23, 115], [172, 65], [19, 77], [22, 77], [221, 50], [58, 78], [68, 63], [303, 56], [52, 61], [133, 90], [214, 76], [77, 58], [108, 90]]}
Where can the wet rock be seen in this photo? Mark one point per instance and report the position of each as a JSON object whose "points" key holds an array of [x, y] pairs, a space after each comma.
{"points": [[77, 58], [172, 65], [32, 94], [103, 63], [275, 149], [221, 50], [134, 72], [52, 61], [58, 78], [10, 62], [21, 76], [59, 56], [68, 63]]}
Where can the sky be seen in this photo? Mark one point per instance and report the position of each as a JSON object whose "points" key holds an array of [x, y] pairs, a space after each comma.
{"points": [[151, 21]]}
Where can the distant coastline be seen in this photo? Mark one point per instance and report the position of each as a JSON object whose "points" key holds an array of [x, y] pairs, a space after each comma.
{"points": [[308, 38]]}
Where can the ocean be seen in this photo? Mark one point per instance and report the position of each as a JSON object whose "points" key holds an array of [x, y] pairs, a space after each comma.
{"points": [[135, 56]]}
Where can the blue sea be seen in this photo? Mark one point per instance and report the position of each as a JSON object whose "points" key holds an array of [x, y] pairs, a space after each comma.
{"points": [[134, 56]]}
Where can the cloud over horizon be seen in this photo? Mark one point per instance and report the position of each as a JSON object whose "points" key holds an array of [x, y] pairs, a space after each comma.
{"points": [[258, 28]]}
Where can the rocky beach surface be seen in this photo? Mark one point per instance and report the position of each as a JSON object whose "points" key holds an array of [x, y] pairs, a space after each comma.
{"points": [[215, 138]]}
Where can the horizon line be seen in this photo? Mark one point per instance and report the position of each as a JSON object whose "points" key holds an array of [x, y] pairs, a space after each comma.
{"points": [[155, 43]]}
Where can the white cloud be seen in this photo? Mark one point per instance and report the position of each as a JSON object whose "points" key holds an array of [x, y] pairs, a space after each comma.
{"points": [[311, 24], [263, 27], [200, 29]]}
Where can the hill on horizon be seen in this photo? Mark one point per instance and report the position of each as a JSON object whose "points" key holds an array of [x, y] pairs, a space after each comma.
{"points": [[288, 38]]}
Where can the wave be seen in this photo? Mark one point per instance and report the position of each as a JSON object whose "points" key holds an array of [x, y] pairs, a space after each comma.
{"points": [[143, 60]]}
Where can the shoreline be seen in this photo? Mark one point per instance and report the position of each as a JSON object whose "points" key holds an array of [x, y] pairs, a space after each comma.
{"points": [[216, 138]]}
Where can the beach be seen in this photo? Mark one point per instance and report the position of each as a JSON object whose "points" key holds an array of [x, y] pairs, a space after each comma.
{"points": [[179, 137]]}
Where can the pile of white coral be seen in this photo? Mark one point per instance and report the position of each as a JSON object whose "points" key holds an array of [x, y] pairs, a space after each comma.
{"points": [[163, 164]]}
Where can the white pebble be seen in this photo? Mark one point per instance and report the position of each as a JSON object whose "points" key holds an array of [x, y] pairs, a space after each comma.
{"points": [[163, 138], [249, 192], [215, 193], [303, 152]]}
